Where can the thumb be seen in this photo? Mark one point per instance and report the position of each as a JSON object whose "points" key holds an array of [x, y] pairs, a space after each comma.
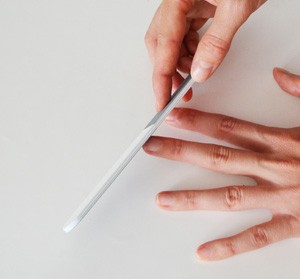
{"points": [[215, 43], [287, 81]]}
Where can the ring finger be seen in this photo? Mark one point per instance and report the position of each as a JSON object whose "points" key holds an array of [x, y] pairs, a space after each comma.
{"points": [[230, 198]]}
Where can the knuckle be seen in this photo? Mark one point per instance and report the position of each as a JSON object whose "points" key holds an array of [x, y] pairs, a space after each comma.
{"points": [[281, 136], [227, 125], [166, 41], [188, 115], [231, 250], [285, 164], [177, 148], [190, 199], [280, 168], [215, 46], [290, 192], [220, 155], [259, 237], [292, 225], [233, 197]]}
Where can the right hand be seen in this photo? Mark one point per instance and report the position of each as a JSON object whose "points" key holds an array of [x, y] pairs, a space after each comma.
{"points": [[173, 42]]}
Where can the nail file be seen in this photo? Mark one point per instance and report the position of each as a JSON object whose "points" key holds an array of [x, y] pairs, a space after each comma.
{"points": [[126, 157]]}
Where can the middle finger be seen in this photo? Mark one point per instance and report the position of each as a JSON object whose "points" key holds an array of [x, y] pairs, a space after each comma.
{"points": [[210, 156], [239, 132]]}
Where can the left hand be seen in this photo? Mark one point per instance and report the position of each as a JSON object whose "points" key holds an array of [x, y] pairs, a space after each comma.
{"points": [[271, 158]]}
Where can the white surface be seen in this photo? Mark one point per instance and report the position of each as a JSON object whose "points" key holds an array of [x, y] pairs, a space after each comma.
{"points": [[75, 89]]}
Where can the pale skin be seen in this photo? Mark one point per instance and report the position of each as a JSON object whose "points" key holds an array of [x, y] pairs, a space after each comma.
{"points": [[271, 156], [174, 45]]}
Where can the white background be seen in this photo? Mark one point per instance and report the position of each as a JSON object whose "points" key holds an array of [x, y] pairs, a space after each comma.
{"points": [[75, 90]]}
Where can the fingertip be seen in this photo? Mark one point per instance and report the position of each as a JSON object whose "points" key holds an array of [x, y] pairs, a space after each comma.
{"points": [[201, 71], [204, 253], [158, 202], [153, 145], [188, 96], [278, 74], [162, 85], [157, 199], [177, 80], [158, 106], [287, 81], [277, 71], [210, 53], [165, 199]]}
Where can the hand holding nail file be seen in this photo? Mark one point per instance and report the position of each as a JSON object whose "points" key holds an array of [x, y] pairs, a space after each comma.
{"points": [[127, 156]]}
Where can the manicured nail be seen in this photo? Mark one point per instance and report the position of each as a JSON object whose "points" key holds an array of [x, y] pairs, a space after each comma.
{"points": [[165, 199], [201, 71], [153, 145], [205, 252]]}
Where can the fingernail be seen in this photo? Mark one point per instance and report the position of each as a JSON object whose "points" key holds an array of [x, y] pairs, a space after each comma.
{"points": [[158, 106], [165, 199], [282, 70], [153, 145], [201, 71], [205, 252], [171, 117]]}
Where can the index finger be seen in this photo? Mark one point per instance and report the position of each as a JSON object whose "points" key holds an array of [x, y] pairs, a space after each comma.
{"points": [[172, 27]]}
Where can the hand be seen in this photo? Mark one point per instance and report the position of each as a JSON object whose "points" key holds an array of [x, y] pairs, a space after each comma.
{"points": [[172, 40], [271, 158]]}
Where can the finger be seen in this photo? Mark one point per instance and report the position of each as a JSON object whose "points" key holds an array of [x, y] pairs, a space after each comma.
{"points": [[185, 60], [230, 198], [198, 23], [215, 157], [202, 9], [184, 64], [239, 132], [287, 81], [215, 43], [188, 49], [191, 41], [151, 36], [176, 81], [172, 28], [279, 228]]}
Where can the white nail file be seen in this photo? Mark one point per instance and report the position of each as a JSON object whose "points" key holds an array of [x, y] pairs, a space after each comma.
{"points": [[127, 156]]}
